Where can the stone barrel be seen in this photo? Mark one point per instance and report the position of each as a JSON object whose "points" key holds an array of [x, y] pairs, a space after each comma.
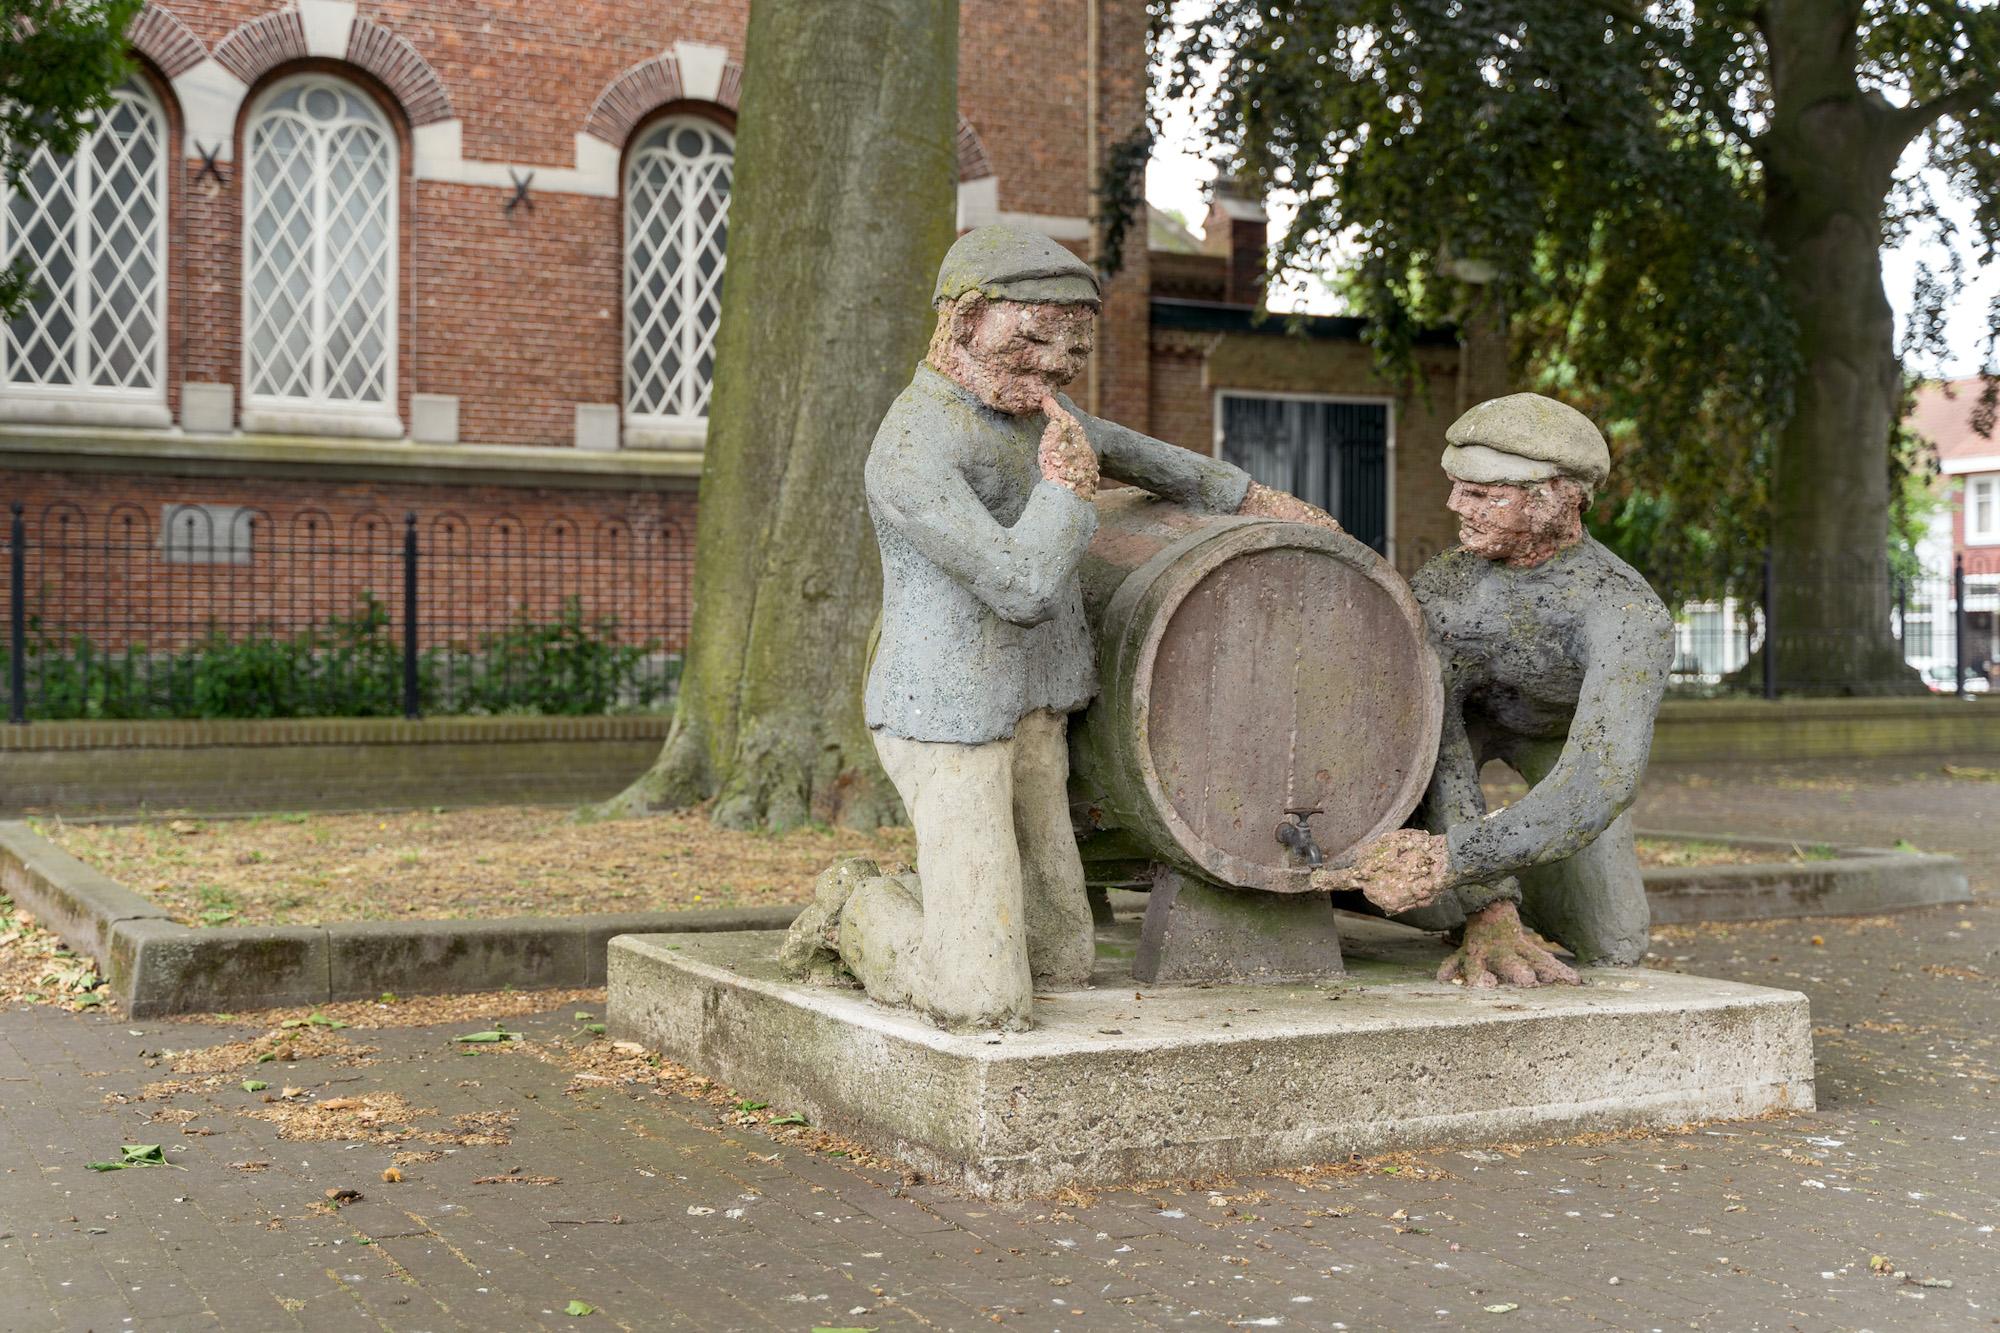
{"points": [[1247, 667]]}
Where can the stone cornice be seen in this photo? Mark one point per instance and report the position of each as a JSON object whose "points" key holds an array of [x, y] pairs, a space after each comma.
{"points": [[241, 455]]}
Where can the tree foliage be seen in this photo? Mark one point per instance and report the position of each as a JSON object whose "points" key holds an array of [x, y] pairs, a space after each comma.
{"points": [[59, 62], [1604, 174]]}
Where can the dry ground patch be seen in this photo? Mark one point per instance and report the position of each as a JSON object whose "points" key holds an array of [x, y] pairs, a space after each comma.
{"points": [[492, 862], [308, 869]]}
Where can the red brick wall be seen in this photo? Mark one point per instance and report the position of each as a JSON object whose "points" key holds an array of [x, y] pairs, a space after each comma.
{"points": [[1180, 407], [1188, 370], [96, 564], [520, 314]]}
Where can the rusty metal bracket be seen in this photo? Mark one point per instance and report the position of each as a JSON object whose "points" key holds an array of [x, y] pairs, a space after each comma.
{"points": [[521, 184], [209, 165]]}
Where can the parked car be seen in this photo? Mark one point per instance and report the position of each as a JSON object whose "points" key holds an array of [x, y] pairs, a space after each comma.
{"points": [[1941, 677]]}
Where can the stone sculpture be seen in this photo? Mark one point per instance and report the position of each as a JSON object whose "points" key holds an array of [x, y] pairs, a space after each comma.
{"points": [[1554, 655], [980, 484]]}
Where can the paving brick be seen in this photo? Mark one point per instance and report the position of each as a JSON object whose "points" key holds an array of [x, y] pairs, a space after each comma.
{"points": [[1908, 1126]]}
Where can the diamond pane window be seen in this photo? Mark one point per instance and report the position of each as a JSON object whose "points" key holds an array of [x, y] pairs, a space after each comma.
{"points": [[92, 230], [319, 249], [676, 231]]}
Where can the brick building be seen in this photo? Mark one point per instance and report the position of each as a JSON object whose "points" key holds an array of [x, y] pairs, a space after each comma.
{"points": [[329, 263], [1967, 530]]}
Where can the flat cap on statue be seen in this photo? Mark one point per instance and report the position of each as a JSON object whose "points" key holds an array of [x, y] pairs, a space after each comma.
{"points": [[1014, 264], [1525, 437]]}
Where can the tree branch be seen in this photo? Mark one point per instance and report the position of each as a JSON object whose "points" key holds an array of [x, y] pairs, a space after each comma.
{"points": [[1906, 123]]}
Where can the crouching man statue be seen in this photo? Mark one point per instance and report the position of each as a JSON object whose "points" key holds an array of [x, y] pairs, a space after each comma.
{"points": [[980, 485], [1554, 654]]}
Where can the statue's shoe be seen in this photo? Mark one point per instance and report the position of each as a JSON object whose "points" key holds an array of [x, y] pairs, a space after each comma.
{"points": [[811, 950]]}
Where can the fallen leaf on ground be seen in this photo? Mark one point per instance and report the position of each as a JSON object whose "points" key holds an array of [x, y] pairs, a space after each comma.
{"points": [[133, 1155]]}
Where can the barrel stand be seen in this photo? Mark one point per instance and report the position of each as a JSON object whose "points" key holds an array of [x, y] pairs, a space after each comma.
{"points": [[1199, 931]]}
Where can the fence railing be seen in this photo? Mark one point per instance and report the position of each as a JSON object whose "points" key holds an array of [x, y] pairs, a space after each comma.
{"points": [[226, 612], [193, 611], [1945, 626]]}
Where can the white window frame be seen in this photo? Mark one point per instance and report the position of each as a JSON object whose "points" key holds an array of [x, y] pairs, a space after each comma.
{"points": [[1355, 399], [319, 413], [664, 430], [1989, 483], [85, 404]]}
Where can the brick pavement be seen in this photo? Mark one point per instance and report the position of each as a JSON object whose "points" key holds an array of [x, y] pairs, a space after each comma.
{"points": [[1768, 1225]]}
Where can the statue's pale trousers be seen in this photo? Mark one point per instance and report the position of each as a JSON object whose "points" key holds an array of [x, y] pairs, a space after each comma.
{"points": [[1003, 905]]}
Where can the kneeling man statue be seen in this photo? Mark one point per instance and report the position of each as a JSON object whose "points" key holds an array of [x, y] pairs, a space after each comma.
{"points": [[980, 485], [1554, 654]]}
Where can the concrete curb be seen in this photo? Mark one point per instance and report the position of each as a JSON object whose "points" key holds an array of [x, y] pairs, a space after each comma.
{"points": [[156, 966], [1857, 881]]}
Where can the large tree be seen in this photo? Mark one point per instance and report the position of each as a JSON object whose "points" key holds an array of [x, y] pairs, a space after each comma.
{"points": [[843, 208], [59, 62], [1678, 208]]}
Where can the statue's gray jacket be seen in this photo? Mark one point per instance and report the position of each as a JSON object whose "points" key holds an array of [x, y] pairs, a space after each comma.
{"points": [[1574, 651], [982, 614]]}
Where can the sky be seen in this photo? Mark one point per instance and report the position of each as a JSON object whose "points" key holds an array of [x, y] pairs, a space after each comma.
{"points": [[1178, 178]]}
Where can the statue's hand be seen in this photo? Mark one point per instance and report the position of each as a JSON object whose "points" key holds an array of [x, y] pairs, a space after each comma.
{"points": [[1400, 871], [1497, 950], [1263, 502], [1066, 458]]}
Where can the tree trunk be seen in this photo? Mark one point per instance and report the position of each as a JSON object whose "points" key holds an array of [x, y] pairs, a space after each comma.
{"points": [[1829, 161], [843, 209]]}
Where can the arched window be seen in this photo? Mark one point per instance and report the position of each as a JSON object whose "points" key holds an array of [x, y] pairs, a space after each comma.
{"points": [[92, 232], [676, 228], [319, 261]]}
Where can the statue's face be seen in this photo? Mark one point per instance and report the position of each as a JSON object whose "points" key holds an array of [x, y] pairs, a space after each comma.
{"points": [[1520, 524], [1019, 353]]}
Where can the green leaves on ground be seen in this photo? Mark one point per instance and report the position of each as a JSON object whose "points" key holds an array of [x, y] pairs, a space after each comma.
{"points": [[133, 1155], [254, 1085], [314, 1020], [498, 1034], [578, 1309], [792, 1119]]}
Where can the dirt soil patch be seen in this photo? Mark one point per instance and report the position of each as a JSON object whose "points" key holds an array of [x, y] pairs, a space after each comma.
{"points": [[302, 869]]}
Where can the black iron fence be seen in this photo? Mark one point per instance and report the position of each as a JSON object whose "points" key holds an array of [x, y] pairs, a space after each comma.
{"points": [[215, 611], [202, 611], [1773, 638]]}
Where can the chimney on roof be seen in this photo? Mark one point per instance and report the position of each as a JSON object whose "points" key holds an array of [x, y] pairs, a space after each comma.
{"points": [[1238, 231]]}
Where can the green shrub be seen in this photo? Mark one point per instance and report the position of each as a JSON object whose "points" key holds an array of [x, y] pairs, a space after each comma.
{"points": [[352, 666]]}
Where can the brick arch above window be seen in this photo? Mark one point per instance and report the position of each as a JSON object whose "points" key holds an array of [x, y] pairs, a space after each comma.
{"points": [[255, 48], [973, 164], [647, 86], [651, 84], [391, 58], [159, 35]]}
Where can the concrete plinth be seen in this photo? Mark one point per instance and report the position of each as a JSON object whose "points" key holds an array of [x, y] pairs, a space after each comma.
{"points": [[1124, 1082]]}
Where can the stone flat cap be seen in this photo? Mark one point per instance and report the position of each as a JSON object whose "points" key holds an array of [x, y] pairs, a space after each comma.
{"points": [[1525, 437], [1014, 264]]}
